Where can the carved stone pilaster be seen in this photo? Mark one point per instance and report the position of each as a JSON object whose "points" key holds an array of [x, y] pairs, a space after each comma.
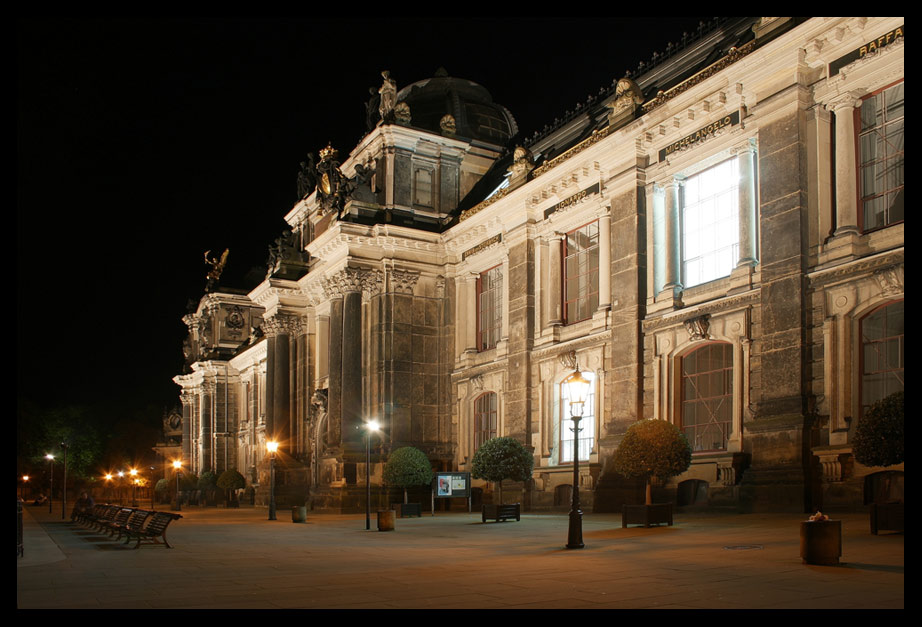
{"points": [[282, 324], [403, 281]]}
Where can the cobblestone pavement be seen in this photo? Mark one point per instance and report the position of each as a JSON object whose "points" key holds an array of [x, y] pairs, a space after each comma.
{"points": [[236, 558]]}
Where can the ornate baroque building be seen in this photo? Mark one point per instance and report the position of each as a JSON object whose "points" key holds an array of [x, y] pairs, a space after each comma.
{"points": [[715, 240]]}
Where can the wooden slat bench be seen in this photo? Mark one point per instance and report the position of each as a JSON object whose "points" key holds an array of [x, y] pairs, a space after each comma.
{"points": [[154, 531], [135, 522]]}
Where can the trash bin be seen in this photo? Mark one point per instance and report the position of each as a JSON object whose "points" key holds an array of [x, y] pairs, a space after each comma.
{"points": [[821, 542], [299, 514], [386, 519]]}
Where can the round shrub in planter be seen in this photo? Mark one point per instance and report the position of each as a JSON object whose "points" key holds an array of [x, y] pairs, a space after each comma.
{"points": [[651, 448], [503, 458], [407, 467], [879, 441]]}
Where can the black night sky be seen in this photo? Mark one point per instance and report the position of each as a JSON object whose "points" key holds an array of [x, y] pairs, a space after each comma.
{"points": [[143, 143]]}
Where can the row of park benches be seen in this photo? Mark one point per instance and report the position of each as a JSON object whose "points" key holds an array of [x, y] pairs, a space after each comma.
{"points": [[133, 524]]}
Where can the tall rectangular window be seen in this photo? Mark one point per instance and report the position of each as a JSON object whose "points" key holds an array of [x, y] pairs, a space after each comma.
{"points": [[581, 273], [880, 136], [710, 224], [586, 424], [489, 308], [484, 418]]}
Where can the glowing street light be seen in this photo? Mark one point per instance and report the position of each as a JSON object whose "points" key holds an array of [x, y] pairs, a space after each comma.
{"points": [[272, 447]]}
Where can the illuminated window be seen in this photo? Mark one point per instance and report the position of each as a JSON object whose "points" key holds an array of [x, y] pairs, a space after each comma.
{"points": [[581, 273], [880, 135], [586, 424], [484, 418], [489, 308], [883, 354], [707, 395], [710, 219]]}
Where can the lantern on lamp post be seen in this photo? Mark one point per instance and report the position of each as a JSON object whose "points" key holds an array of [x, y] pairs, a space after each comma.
{"points": [[577, 387]]}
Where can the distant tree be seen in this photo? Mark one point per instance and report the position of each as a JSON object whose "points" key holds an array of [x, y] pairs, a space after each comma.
{"points": [[652, 448], [502, 458], [230, 481], [879, 436], [207, 481], [407, 467]]}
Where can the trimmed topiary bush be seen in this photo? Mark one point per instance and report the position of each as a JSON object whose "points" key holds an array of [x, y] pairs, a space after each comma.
{"points": [[230, 481], [503, 458], [652, 448], [879, 436], [407, 467]]}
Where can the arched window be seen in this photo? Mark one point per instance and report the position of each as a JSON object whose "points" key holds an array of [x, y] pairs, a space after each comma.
{"points": [[882, 353], [707, 396], [484, 418], [586, 424]]}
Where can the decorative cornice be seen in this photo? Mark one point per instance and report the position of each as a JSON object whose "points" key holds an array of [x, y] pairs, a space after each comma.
{"points": [[849, 271], [718, 307]]}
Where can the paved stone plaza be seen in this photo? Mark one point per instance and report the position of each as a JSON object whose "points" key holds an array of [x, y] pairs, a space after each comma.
{"points": [[239, 559]]}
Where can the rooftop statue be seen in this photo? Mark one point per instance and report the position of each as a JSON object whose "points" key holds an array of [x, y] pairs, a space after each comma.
{"points": [[217, 267], [388, 93], [307, 177]]}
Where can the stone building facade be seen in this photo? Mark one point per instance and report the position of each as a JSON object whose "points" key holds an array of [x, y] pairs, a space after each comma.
{"points": [[715, 241]]}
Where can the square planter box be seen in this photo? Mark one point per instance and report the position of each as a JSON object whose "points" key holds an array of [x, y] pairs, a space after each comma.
{"points": [[386, 519], [646, 515], [410, 509], [887, 517], [501, 513]]}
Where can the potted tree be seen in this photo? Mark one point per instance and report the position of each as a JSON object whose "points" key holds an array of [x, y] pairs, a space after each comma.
{"points": [[879, 441], [651, 448], [230, 481], [207, 483], [162, 490], [407, 467], [498, 459]]}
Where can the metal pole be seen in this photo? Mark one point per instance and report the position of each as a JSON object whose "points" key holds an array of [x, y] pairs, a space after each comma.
{"points": [[64, 484], [272, 486], [367, 479], [50, 482], [575, 535]]}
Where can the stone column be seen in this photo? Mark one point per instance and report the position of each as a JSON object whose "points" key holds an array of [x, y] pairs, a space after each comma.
{"points": [[187, 398], [748, 221], [555, 287], [470, 322], [846, 164], [672, 246], [605, 261], [206, 414], [280, 329]]}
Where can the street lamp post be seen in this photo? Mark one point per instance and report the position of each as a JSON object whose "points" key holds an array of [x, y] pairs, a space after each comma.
{"points": [[64, 484], [272, 447], [22, 489], [50, 459], [371, 425], [134, 486], [177, 468], [577, 392]]}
